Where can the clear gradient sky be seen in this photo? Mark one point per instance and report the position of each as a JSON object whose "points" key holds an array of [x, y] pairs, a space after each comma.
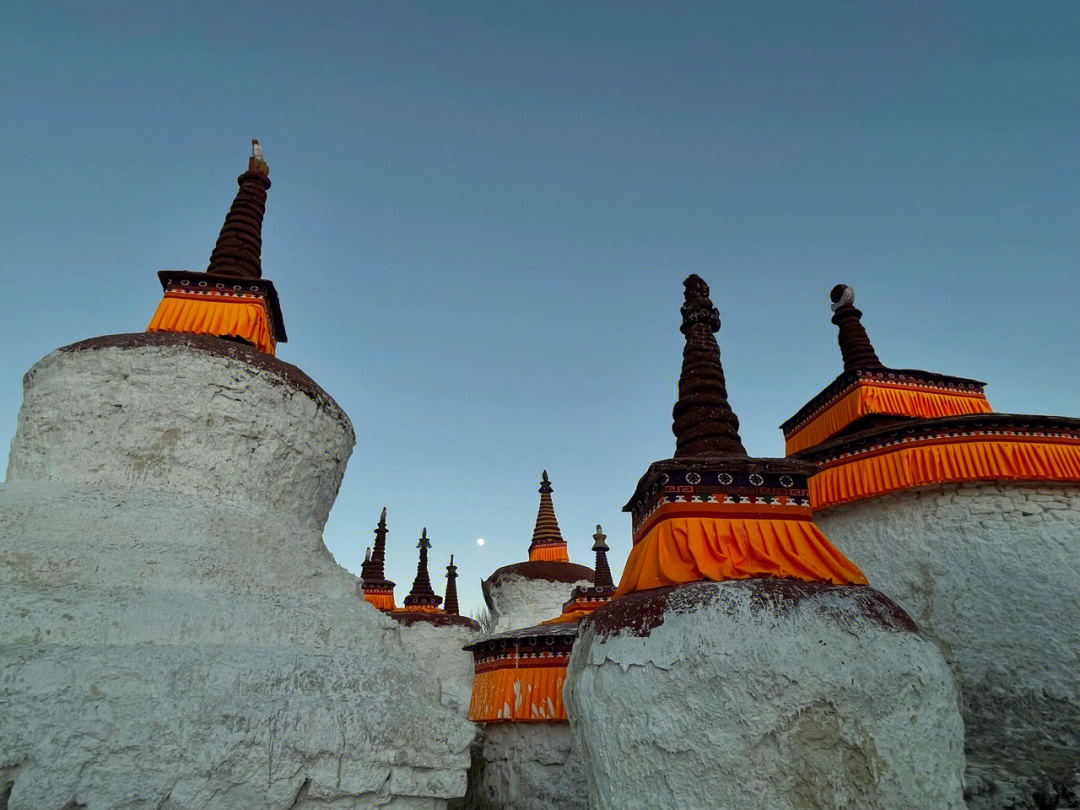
{"points": [[481, 214]]}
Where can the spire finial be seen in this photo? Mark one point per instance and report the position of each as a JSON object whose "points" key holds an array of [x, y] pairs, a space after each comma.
{"points": [[421, 594], [374, 570], [602, 579], [855, 346], [451, 604], [238, 251], [703, 422], [547, 541], [257, 163]]}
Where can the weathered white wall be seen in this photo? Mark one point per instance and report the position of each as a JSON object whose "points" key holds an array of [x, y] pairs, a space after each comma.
{"points": [[531, 766], [735, 702], [991, 572], [176, 634], [519, 601], [439, 651]]}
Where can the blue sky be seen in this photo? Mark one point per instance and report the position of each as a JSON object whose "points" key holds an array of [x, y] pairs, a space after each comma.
{"points": [[481, 214]]}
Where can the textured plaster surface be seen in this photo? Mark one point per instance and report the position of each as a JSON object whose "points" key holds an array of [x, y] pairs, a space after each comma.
{"points": [[176, 634], [531, 766], [731, 704], [991, 572], [439, 651], [519, 602]]}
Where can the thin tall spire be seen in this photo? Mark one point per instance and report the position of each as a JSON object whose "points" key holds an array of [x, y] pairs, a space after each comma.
{"points": [[421, 594], [855, 346], [547, 540], [238, 251], [603, 571], [451, 605], [703, 422], [374, 570], [378, 590]]}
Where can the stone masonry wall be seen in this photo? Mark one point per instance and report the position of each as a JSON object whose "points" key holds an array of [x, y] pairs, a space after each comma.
{"points": [[991, 572]]}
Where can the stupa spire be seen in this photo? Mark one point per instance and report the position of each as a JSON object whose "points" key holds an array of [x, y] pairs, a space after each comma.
{"points": [[547, 540], [238, 251], [451, 604], [703, 422], [603, 571], [378, 590], [855, 346], [231, 299], [421, 594]]}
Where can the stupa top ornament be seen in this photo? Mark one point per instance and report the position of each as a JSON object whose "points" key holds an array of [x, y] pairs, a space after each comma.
{"points": [[868, 394], [703, 422], [231, 299], [712, 512]]}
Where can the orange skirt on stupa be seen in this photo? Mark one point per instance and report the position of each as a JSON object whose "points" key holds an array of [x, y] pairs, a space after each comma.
{"points": [[244, 318], [679, 550]]}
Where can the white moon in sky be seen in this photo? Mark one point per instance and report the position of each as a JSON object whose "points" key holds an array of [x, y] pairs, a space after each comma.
{"points": [[479, 541]]}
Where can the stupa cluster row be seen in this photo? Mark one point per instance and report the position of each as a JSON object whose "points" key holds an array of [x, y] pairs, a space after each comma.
{"points": [[883, 618]]}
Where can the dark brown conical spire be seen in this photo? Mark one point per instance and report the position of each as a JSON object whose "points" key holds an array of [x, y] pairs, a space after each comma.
{"points": [[703, 422], [421, 594], [451, 605], [374, 570], [855, 346], [238, 251], [547, 541], [603, 572], [378, 590]]}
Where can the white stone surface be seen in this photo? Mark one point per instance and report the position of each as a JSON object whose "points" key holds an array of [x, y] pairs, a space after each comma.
{"points": [[991, 572], [176, 634], [439, 651], [735, 703], [518, 601], [530, 766]]}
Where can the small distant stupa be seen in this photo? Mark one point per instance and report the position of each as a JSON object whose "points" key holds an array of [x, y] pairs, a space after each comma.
{"points": [[378, 590], [526, 593]]}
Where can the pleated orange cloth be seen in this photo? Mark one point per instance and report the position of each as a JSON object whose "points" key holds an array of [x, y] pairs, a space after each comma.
{"points": [[518, 694], [553, 553], [902, 467], [867, 399], [383, 601], [691, 549], [419, 609], [215, 315]]}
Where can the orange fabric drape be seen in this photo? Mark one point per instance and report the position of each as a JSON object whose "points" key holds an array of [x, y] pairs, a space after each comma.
{"points": [[383, 601], [550, 553], [572, 616], [419, 609], [527, 694], [214, 315], [950, 460], [867, 399], [682, 550]]}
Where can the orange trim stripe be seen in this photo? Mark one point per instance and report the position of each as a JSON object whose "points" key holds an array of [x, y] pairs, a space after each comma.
{"points": [[867, 399], [689, 549], [215, 315], [552, 553], [744, 511], [518, 695], [381, 600], [976, 458]]}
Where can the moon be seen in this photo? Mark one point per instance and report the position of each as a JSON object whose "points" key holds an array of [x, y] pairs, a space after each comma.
{"points": [[479, 541]]}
